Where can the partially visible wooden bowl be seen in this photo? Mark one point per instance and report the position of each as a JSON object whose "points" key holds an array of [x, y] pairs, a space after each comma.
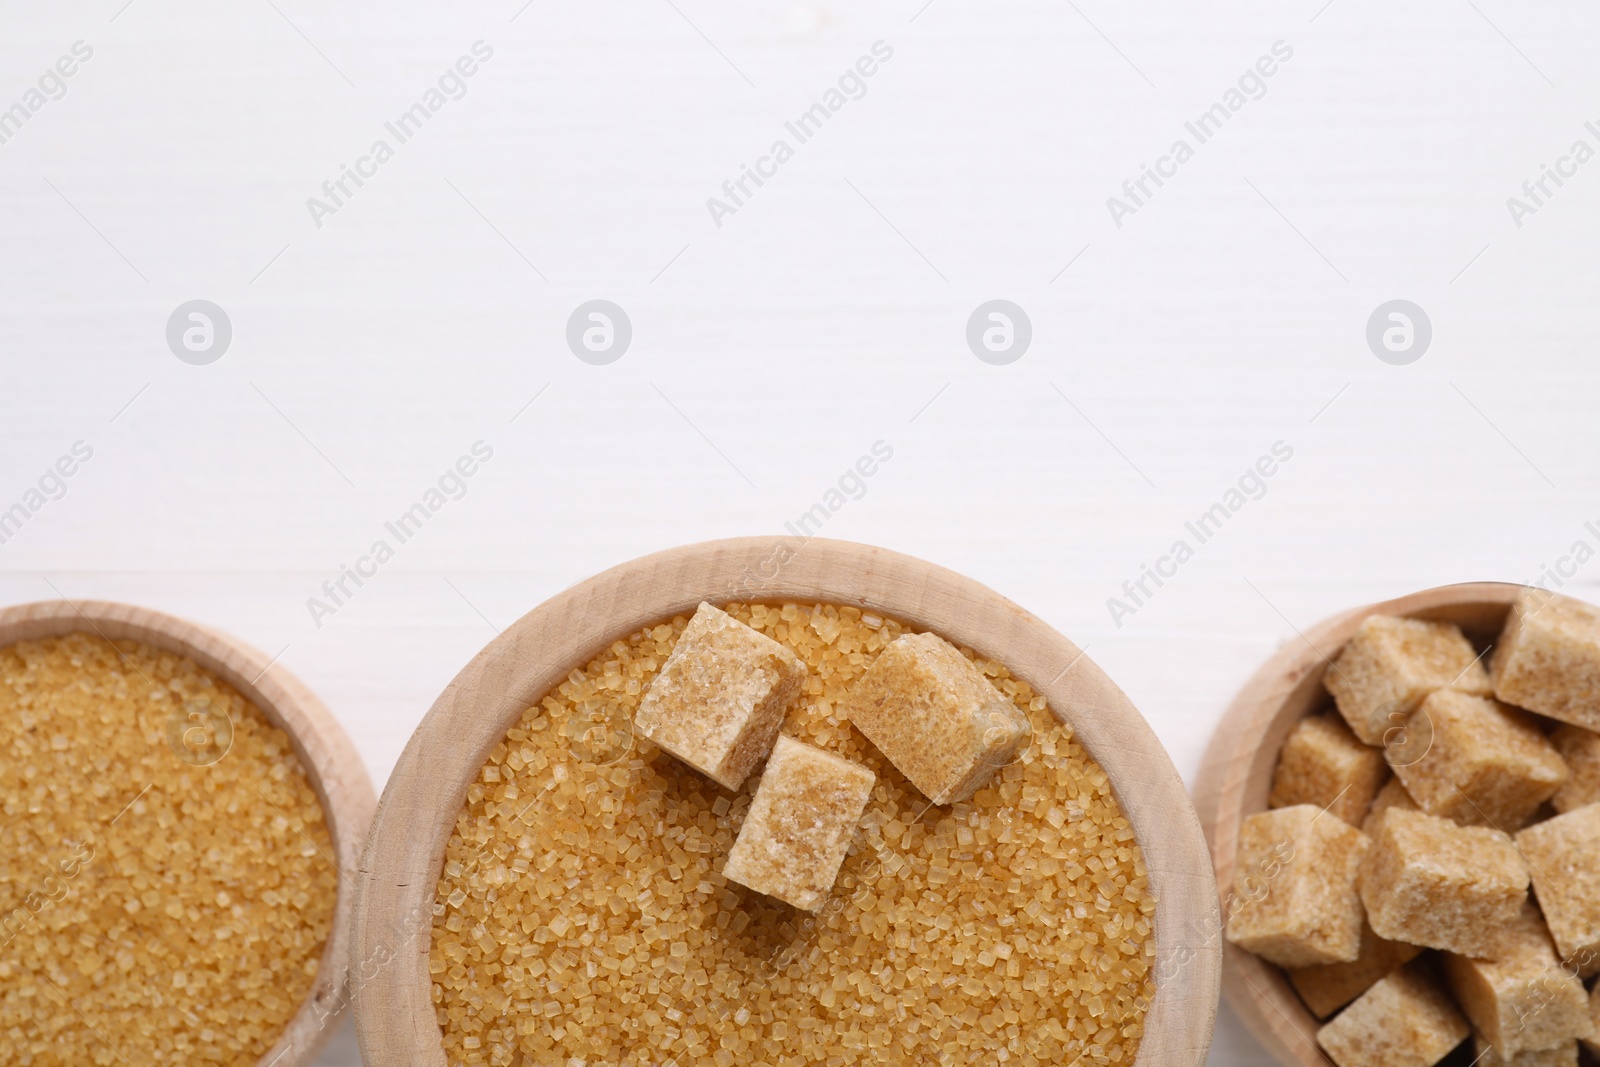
{"points": [[1236, 776], [331, 762], [395, 1018]]}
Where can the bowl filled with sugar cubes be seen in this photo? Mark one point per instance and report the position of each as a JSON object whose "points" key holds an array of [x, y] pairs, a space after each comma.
{"points": [[1403, 808]]}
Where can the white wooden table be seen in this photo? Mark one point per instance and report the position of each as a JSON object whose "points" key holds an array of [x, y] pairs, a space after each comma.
{"points": [[828, 312]]}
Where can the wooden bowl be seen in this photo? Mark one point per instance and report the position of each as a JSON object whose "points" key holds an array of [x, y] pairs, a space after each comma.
{"points": [[395, 1018], [331, 762], [1236, 776]]}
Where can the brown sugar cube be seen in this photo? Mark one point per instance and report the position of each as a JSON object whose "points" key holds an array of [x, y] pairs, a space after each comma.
{"points": [[1322, 763], [1548, 658], [1580, 750], [1295, 901], [1406, 1020], [1476, 761], [1391, 664], [1392, 797], [1328, 988], [1563, 857], [936, 717], [1427, 881], [1521, 999], [799, 826], [1563, 1055], [720, 698]]}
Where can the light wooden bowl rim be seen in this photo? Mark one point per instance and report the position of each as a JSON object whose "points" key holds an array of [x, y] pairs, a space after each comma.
{"points": [[395, 1016], [1236, 776], [332, 764]]}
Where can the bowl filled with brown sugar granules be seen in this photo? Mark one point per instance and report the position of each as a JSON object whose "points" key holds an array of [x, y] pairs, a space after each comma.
{"points": [[791, 802], [180, 819]]}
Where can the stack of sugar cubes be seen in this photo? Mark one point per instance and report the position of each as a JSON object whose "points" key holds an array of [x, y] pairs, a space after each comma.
{"points": [[1459, 897], [719, 703]]}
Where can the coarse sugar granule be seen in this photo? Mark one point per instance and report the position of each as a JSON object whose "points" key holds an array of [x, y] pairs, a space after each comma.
{"points": [[160, 902], [580, 916]]}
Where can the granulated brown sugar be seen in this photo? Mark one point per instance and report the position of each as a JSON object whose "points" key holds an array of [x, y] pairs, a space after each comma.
{"points": [[165, 886], [581, 916]]}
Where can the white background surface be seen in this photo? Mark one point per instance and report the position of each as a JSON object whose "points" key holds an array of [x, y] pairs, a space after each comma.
{"points": [[1225, 315]]}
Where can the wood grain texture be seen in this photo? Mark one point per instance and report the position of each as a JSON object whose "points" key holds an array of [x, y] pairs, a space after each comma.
{"points": [[335, 769], [393, 916], [1236, 777]]}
